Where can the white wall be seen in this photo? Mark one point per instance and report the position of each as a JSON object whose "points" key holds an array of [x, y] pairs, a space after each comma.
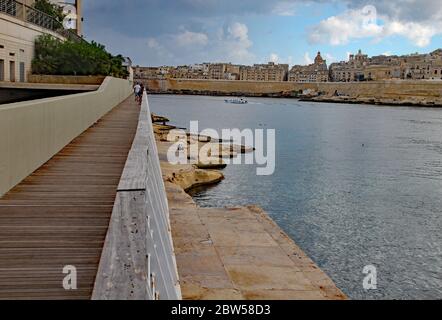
{"points": [[17, 44]]}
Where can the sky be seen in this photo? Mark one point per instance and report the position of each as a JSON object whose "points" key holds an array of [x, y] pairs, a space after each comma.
{"points": [[183, 32]]}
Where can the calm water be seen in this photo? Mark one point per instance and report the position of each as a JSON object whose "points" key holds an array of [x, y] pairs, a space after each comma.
{"points": [[354, 185]]}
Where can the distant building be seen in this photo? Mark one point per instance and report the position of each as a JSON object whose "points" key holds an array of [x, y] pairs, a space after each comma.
{"points": [[217, 71], [316, 72], [359, 67], [224, 71], [409, 67], [127, 64], [264, 72], [353, 70]]}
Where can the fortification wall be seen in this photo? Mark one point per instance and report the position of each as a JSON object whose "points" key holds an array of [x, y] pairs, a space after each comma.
{"points": [[382, 91]]}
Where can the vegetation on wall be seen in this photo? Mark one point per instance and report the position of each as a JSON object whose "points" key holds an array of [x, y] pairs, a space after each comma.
{"points": [[56, 57], [49, 8]]}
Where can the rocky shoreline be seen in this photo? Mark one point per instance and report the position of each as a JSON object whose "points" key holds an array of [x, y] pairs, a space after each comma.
{"points": [[413, 102], [232, 253]]}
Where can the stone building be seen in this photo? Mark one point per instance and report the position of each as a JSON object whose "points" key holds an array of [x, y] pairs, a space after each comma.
{"points": [[316, 72], [224, 71], [147, 73], [264, 72], [20, 25], [423, 66], [217, 71], [353, 70], [409, 67]]}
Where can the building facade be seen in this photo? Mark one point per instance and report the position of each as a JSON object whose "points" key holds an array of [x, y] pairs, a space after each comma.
{"points": [[20, 25], [316, 72], [360, 67], [264, 72]]}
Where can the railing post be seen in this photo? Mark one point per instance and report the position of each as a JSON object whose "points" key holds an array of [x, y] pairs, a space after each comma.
{"points": [[23, 7]]}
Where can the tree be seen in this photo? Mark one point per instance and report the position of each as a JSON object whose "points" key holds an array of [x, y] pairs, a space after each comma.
{"points": [[56, 57]]}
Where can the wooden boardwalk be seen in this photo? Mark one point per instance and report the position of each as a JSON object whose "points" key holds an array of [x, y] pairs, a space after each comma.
{"points": [[60, 214]]}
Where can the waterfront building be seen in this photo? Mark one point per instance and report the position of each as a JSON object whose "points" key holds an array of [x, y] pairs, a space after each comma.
{"points": [[217, 71], [223, 71], [316, 72], [352, 70], [20, 25], [360, 67], [264, 72]]}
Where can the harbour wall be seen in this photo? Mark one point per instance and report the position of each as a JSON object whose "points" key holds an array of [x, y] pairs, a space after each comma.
{"points": [[371, 91]]}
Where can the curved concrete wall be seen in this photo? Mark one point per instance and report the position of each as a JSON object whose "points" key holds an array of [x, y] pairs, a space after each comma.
{"points": [[138, 259], [32, 132]]}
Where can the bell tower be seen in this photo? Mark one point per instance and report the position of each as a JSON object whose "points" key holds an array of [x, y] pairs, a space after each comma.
{"points": [[318, 59]]}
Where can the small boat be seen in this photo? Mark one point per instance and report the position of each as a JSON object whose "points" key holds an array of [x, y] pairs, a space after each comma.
{"points": [[236, 101]]}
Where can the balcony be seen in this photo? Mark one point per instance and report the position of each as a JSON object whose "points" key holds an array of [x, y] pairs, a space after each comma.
{"points": [[28, 14]]}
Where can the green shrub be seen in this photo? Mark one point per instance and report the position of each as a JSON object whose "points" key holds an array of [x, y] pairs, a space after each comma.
{"points": [[56, 57], [49, 8]]}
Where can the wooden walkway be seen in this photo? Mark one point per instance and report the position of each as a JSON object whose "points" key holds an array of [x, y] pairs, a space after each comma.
{"points": [[60, 214]]}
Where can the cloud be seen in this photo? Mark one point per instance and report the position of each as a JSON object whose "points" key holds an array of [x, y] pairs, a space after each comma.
{"points": [[228, 44], [152, 43], [234, 45], [285, 8], [188, 38], [403, 10], [341, 29], [370, 22], [330, 58], [274, 58], [188, 31], [238, 31], [307, 58]]}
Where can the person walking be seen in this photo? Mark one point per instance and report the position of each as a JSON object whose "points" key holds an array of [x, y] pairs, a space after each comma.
{"points": [[137, 90], [141, 94]]}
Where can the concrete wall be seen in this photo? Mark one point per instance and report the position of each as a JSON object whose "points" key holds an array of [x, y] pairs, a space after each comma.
{"points": [[138, 259], [11, 95], [17, 45], [401, 90], [35, 78], [32, 132]]}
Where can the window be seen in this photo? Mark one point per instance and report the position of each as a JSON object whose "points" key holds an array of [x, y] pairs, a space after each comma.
{"points": [[12, 71], [2, 70], [22, 72], [2, 46]]}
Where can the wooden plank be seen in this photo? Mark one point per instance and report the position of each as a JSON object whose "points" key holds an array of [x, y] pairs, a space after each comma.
{"points": [[122, 274]]}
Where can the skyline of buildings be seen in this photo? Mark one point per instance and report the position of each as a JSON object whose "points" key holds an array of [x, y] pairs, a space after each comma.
{"points": [[358, 67]]}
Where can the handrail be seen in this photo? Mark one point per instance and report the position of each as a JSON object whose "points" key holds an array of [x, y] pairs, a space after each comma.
{"points": [[29, 14], [138, 258]]}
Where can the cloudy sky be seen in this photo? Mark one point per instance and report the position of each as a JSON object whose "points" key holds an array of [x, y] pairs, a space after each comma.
{"points": [[177, 32]]}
